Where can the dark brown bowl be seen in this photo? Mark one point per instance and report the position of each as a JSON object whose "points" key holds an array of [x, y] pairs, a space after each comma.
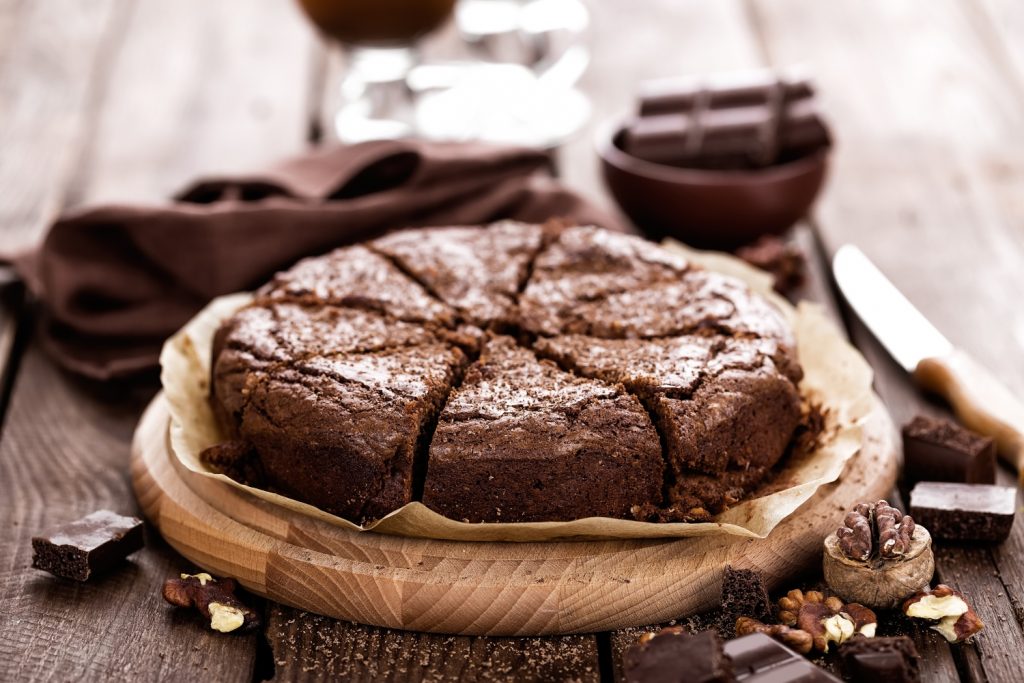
{"points": [[709, 209]]}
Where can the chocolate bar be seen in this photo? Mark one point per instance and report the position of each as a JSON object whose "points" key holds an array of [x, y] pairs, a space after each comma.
{"points": [[675, 656], [721, 91], [90, 545], [880, 660], [726, 124], [758, 658], [964, 512], [940, 450]]}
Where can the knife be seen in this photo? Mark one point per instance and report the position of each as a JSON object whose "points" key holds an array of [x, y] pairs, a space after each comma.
{"points": [[979, 399]]}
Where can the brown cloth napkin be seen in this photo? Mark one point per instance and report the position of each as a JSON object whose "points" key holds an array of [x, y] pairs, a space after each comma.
{"points": [[115, 281]]}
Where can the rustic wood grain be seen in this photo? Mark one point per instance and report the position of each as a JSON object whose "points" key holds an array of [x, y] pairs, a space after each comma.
{"points": [[64, 454], [311, 647], [914, 186], [52, 61], [173, 89], [199, 87]]}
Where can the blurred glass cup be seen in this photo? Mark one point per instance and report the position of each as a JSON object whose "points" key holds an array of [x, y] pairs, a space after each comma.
{"points": [[379, 40]]}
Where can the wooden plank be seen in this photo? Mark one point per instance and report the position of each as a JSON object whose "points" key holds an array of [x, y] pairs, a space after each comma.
{"points": [[915, 186], [64, 454], [904, 72], [51, 55], [993, 657], [199, 87], [310, 647]]}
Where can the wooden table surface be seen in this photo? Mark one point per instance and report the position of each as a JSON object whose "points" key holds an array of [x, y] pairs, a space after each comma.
{"points": [[128, 99]]}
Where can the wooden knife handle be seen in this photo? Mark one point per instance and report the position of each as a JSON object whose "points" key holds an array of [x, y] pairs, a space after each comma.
{"points": [[982, 402]]}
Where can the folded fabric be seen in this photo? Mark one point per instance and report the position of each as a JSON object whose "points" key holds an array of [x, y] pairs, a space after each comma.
{"points": [[115, 281]]}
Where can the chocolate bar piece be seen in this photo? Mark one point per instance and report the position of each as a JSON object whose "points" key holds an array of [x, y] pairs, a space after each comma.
{"points": [[743, 595], [880, 660], [87, 546], [964, 512], [675, 656], [726, 124], [940, 450], [758, 658], [721, 91]]}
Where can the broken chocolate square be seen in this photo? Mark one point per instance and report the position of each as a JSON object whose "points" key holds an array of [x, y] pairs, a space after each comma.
{"points": [[940, 450], [758, 658], [743, 595], [964, 512], [675, 656], [87, 546], [880, 660]]}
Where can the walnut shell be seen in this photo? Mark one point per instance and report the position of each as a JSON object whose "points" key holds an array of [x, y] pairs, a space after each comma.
{"points": [[879, 582]]}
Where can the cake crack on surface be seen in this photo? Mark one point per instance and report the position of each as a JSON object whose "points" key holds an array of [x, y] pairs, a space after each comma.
{"points": [[402, 268]]}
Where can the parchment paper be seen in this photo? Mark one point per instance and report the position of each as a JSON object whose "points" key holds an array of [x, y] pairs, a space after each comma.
{"points": [[836, 377]]}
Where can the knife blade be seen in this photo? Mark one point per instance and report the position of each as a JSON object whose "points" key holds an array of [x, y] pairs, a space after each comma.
{"points": [[980, 400]]}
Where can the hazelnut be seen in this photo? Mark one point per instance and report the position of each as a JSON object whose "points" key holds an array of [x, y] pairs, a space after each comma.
{"points": [[878, 557], [215, 599], [957, 621], [795, 639]]}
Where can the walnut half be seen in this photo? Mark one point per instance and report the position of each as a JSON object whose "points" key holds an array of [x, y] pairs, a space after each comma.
{"points": [[214, 598], [955, 618], [797, 640], [810, 617], [878, 557]]}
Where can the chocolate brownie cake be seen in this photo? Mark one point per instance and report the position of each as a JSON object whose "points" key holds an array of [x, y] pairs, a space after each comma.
{"points": [[512, 372]]}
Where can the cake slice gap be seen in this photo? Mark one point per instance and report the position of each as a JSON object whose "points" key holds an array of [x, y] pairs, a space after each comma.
{"points": [[523, 441], [477, 270], [725, 413]]}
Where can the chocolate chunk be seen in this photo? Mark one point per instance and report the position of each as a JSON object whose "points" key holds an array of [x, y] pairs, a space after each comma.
{"points": [[674, 656], [880, 660], [786, 262], [726, 122], [87, 546], [940, 450], [743, 595], [964, 512], [665, 96], [758, 658]]}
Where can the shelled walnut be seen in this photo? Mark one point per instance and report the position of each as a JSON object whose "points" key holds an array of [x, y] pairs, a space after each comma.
{"points": [[955, 618], [811, 620], [214, 598], [878, 557], [794, 638]]}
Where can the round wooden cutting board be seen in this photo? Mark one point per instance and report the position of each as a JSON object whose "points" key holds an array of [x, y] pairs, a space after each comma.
{"points": [[483, 588]]}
